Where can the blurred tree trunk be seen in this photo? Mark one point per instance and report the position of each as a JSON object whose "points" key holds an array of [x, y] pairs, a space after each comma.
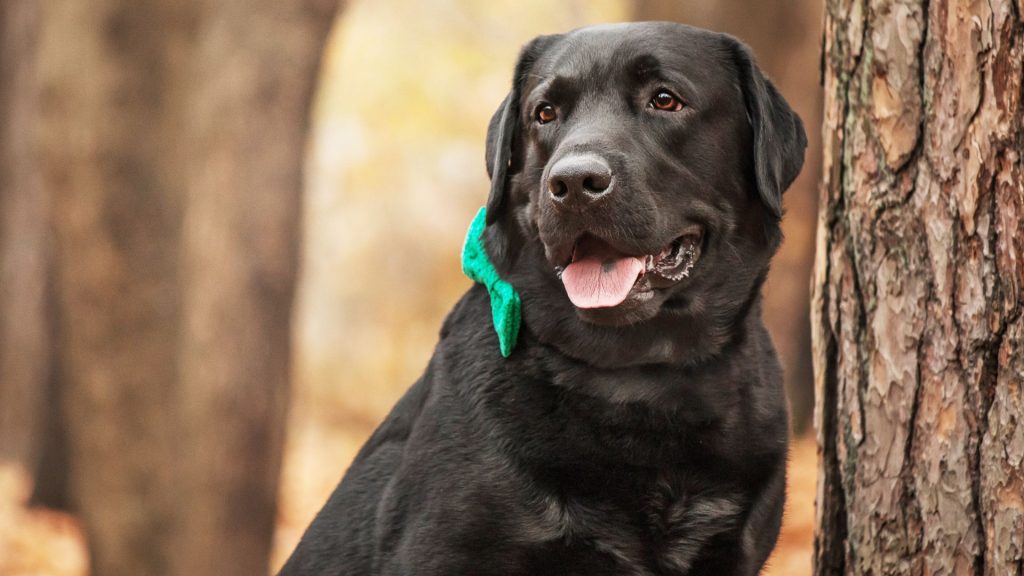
{"points": [[31, 429], [918, 330], [23, 240], [257, 63], [172, 137], [785, 37]]}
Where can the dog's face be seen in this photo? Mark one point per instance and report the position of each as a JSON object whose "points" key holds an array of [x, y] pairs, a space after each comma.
{"points": [[637, 179]]}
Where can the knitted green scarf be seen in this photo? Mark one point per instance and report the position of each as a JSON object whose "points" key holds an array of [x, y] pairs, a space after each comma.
{"points": [[505, 304]]}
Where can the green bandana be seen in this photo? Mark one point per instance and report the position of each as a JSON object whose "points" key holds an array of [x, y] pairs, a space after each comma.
{"points": [[505, 303]]}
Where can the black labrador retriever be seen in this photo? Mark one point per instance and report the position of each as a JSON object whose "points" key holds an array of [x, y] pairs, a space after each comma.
{"points": [[638, 426]]}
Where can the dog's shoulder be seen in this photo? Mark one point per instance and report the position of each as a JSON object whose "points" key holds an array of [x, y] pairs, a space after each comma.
{"points": [[400, 421]]}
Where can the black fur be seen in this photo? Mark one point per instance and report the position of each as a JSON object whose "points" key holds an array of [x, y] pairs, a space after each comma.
{"points": [[645, 439]]}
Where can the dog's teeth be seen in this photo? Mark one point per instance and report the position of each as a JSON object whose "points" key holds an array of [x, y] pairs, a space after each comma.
{"points": [[682, 258], [558, 271]]}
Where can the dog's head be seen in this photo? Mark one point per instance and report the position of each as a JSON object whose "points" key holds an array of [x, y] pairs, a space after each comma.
{"points": [[637, 173]]}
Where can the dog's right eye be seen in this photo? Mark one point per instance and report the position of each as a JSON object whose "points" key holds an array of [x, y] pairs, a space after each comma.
{"points": [[667, 101], [545, 113]]}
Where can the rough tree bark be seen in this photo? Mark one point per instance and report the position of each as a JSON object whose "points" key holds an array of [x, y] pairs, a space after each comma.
{"points": [[784, 35], [172, 138], [917, 324]]}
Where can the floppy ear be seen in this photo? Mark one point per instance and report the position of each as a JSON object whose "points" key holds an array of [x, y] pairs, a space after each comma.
{"points": [[503, 130], [498, 153], [779, 137]]}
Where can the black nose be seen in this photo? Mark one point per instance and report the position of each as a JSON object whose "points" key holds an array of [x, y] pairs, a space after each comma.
{"points": [[578, 180]]}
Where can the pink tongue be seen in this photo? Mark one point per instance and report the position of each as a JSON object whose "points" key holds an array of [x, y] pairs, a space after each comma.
{"points": [[595, 283]]}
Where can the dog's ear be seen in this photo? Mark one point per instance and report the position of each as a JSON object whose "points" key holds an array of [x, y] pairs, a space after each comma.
{"points": [[498, 153], [779, 137], [503, 131]]}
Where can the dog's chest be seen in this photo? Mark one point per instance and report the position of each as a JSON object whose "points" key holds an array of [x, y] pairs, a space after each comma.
{"points": [[662, 532]]}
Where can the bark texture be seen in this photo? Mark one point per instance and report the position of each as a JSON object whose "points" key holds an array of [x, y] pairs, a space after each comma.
{"points": [[172, 138], [916, 313], [784, 35]]}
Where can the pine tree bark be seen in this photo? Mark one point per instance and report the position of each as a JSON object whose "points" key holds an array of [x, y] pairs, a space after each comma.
{"points": [[919, 281], [172, 138], [784, 35]]}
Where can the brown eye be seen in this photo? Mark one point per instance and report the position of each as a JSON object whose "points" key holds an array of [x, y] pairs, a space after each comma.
{"points": [[665, 100], [545, 113]]}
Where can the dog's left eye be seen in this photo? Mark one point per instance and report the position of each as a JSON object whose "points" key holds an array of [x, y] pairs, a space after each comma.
{"points": [[665, 100]]}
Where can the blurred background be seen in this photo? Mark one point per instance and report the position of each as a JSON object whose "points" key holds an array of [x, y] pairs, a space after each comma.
{"points": [[229, 232]]}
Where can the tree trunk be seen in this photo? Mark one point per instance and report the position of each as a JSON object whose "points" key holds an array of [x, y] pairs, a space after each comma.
{"points": [[173, 134], [257, 62], [23, 240], [917, 324], [31, 429], [784, 35]]}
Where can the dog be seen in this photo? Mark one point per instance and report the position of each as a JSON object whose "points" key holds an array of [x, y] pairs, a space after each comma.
{"points": [[638, 424]]}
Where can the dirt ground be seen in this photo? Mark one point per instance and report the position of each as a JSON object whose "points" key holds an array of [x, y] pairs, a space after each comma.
{"points": [[35, 542]]}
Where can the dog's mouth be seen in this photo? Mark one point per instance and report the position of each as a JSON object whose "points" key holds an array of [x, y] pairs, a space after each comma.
{"points": [[600, 276]]}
